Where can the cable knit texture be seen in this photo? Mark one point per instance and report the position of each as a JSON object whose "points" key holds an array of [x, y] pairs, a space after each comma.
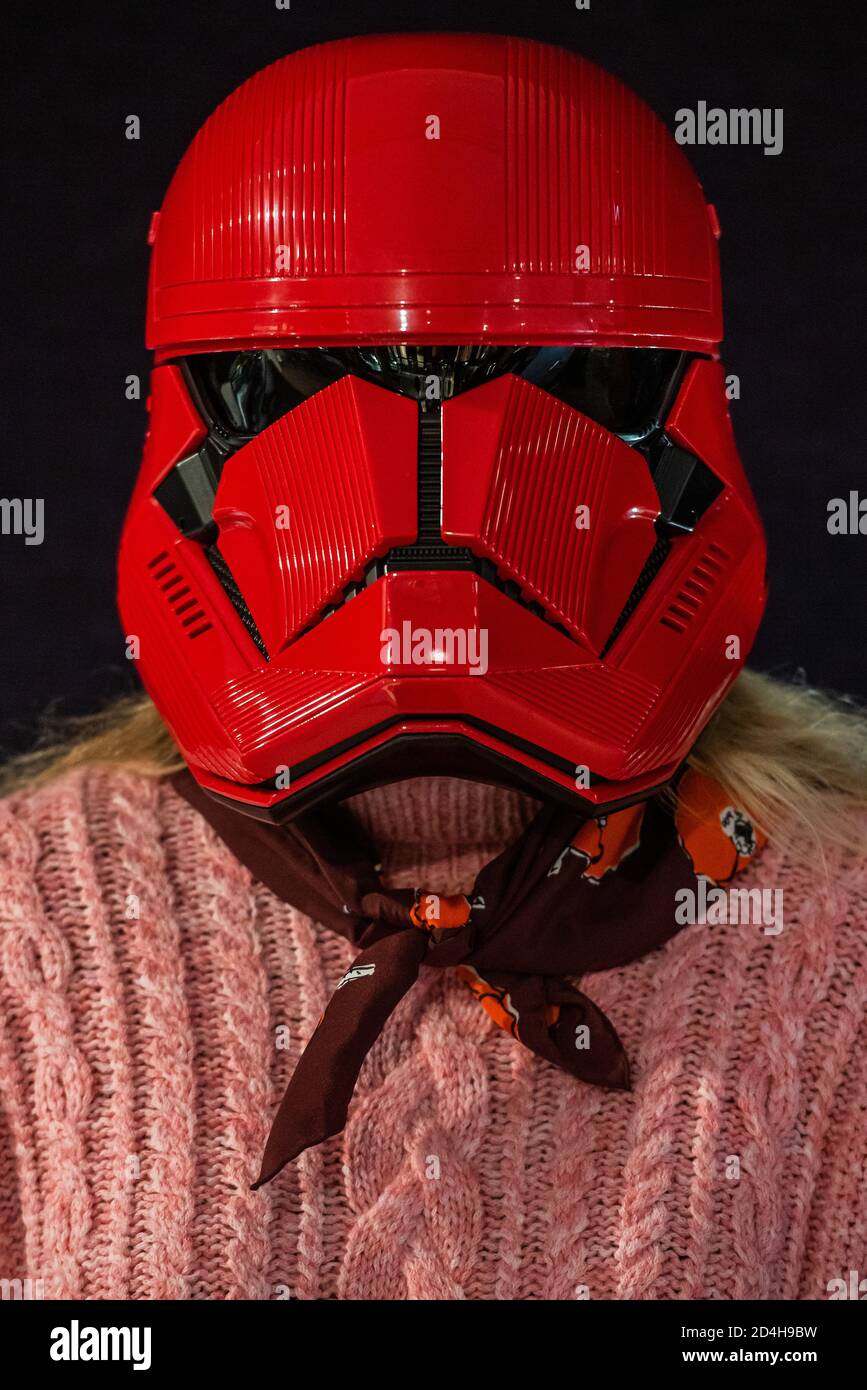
{"points": [[155, 999]]}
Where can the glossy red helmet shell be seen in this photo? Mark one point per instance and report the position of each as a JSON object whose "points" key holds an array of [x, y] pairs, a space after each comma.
{"points": [[421, 190]]}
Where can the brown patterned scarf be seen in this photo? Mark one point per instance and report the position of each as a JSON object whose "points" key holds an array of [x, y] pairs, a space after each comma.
{"points": [[546, 910]]}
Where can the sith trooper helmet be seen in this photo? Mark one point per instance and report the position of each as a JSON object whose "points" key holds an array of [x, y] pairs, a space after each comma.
{"points": [[439, 475]]}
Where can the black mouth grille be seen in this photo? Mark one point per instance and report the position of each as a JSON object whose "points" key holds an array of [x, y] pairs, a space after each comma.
{"points": [[230, 586], [650, 569], [429, 550]]}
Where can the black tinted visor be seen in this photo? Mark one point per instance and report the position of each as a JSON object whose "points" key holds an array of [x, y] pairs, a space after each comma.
{"points": [[620, 388]]}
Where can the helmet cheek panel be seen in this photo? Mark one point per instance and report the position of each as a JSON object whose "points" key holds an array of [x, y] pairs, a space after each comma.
{"points": [[561, 506], [305, 507]]}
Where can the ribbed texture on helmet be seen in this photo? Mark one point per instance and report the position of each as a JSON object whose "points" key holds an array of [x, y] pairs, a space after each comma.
{"points": [[313, 203], [594, 699], [279, 700], [267, 172], [589, 165], [550, 460], [340, 469]]}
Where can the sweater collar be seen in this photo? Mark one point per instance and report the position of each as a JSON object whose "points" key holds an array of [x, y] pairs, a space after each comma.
{"points": [[442, 812]]}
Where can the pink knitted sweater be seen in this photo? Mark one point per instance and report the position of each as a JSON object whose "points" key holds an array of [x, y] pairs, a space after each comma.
{"points": [[155, 998]]}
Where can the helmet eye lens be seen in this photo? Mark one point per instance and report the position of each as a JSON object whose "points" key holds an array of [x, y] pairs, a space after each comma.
{"points": [[244, 392], [434, 373], [620, 388]]}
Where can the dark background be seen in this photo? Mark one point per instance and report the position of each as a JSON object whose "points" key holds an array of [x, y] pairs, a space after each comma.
{"points": [[75, 265]]}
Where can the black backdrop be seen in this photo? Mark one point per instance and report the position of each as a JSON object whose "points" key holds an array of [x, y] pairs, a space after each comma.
{"points": [[80, 198]]}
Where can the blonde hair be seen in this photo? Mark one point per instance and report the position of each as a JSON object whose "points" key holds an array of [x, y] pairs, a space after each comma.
{"points": [[795, 758]]}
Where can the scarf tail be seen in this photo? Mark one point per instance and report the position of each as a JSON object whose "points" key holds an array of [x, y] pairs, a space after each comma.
{"points": [[555, 1020], [316, 1102]]}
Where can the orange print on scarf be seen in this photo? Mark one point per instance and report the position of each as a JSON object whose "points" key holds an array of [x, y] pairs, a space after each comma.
{"points": [[435, 911], [719, 837], [495, 1002], [607, 841]]}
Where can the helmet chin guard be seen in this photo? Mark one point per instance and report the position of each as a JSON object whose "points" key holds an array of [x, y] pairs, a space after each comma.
{"points": [[353, 554]]}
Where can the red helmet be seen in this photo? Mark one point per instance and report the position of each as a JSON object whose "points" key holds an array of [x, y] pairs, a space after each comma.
{"points": [[353, 554]]}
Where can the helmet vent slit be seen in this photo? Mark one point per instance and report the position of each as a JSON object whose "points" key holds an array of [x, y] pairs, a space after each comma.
{"points": [[168, 576]]}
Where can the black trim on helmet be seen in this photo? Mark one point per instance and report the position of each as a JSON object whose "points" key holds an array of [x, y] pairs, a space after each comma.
{"points": [[428, 755]]}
